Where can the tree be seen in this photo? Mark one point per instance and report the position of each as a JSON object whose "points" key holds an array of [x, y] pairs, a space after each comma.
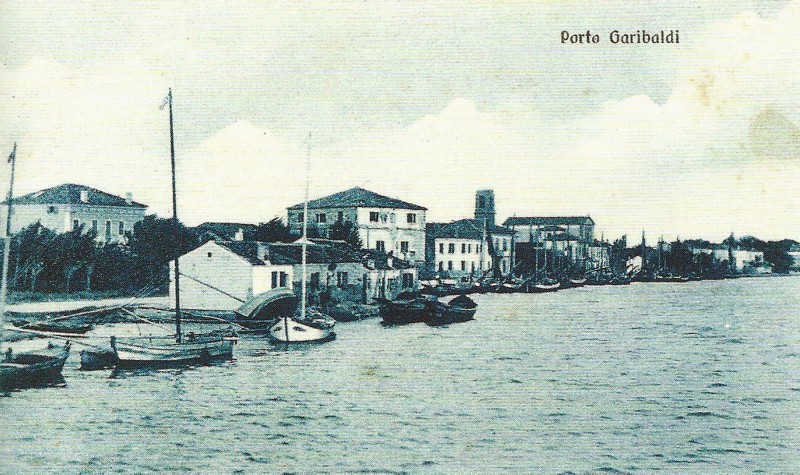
{"points": [[347, 232], [154, 243], [273, 231]]}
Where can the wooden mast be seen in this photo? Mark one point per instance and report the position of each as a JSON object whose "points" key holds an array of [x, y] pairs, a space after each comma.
{"points": [[7, 242], [305, 231], [178, 333]]}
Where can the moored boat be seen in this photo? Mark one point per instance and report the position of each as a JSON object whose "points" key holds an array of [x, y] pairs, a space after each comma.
{"points": [[185, 349], [458, 309], [29, 368], [407, 308], [546, 285], [33, 368], [192, 349]]}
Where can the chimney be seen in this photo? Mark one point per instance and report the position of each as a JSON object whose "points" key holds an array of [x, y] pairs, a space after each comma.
{"points": [[84, 196], [128, 198], [239, 236]]}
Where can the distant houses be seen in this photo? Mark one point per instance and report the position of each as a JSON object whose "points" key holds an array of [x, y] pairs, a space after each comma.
{"points": [[69, 206], [558, 240], [383, 223]]}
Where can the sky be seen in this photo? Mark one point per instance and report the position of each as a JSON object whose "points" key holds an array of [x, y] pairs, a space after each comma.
{"points": [[422, 101]]}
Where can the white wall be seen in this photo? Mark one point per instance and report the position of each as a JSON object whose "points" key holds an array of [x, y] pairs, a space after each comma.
{"points": [[223, 270]]}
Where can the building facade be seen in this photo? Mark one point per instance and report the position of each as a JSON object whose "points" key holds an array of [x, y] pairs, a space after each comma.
{"points": [[222, 275], [385, 224], [468, 248], [67, 207]]}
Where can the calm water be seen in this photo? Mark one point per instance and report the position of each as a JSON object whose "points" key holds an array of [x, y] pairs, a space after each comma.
{"points": [[649, 378]]}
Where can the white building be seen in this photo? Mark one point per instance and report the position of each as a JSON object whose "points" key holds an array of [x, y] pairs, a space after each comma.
{"points": [[221, 275], [383, 223], [66, 207], [465, 248]]}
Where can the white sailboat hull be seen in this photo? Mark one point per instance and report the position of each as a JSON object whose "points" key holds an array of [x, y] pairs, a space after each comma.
{"points": [[166, 353], [288, 330]]}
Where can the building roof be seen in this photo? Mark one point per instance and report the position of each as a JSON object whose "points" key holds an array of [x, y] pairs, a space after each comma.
{"points": [[547, 221], [466, 229], [259, 253], [70, 193], [358, 198], [228, 231], [317, 252]]}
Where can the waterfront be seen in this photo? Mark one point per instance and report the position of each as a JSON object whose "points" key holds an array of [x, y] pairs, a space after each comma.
{"points": [[700, 377]]}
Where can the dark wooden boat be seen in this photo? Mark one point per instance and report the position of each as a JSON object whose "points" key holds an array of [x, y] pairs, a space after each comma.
{"points": [[407, 308], [459, 309], [33, 368], [94, 359]]}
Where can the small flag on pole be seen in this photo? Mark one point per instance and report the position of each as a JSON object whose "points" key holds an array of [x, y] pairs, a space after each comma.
{"points": [[165, 102], [13, 155]]}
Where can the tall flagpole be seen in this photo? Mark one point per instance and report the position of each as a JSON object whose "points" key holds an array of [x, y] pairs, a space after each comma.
{"points": [[7, 241], [305, 231], [178, 333]]}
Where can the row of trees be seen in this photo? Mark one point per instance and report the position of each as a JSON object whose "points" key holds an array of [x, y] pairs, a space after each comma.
{"points": [[42, 260]]}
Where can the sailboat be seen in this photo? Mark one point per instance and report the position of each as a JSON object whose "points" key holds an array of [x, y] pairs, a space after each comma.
{"points": [[30, 368], [186, 349], [309, 326]]}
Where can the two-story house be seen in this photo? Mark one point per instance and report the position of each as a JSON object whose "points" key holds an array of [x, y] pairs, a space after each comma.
{"points": [[383, 223], [67, 207]]}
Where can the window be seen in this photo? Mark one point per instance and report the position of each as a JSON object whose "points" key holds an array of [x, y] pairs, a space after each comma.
{"points": [[463, 265], [463, 248], [411, 218], [451, 248], [284, 279], [340, 216], [373, 216], [403, 246], [341, 279], [441, 265], [380, 245], [209, 254], [481, 202], [75, 224], [322, 218], [449, 265], [94, 226], [274, 280], [408, 281], [441, 248], [108, 230], [392, 218], [469, 248], [52, 210], [314, 281], [121, 228], [300, 217], [505, 244], [473, 267]]}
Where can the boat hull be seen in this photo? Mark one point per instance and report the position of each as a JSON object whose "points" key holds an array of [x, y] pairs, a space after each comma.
{"points": [[203, 350], [401, 313], [448, 315], [92, 360], [34, 368], [541, 288], [289, 330]]}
